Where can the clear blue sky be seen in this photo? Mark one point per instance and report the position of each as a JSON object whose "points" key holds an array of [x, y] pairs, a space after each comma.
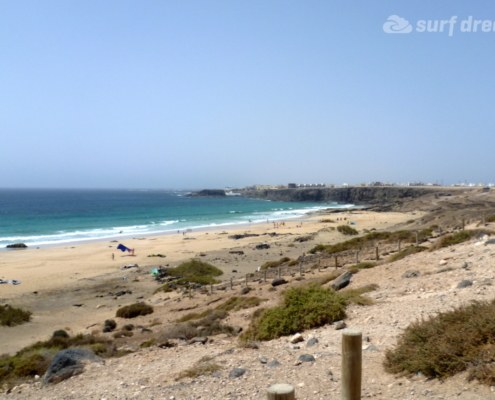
{"points": [[207, 94]]}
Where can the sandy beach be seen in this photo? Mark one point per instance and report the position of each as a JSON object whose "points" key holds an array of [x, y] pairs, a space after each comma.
{"points": [[73, 286]]}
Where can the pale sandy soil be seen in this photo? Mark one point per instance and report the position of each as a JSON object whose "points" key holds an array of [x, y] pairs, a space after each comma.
{"points": [[75, 275]]}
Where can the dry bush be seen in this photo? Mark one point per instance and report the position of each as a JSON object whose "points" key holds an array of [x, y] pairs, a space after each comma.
{"points": [[448, 343], [199, 370], [11, 316], [355, 296], [407, 252], [134, 310]]}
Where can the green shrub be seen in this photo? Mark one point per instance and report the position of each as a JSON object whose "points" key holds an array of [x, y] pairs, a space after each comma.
{"points": [[292, 263], [407, 252], [60, 333], [490, 218], [365, 265], [406, 236], [347, 230], [448, 343], [410, 221], [275, 264], [194, 269], [355, 296], [134, 310], [450, 240], [303, 308], [11, 316]]}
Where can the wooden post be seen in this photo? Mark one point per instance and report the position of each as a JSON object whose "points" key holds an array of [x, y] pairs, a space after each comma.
{"points": [[247, 280], [300, 269], [357, 257], [264, 275], [211, 288], [279, 272], [336, 262], [483, 219], [281, 391], [463, 224], [376, 253], [351, 364], [231, 284], [190, 292], [417, 238], [398, 245], [319, 266]]}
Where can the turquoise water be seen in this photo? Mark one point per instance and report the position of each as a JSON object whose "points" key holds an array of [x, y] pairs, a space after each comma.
{"points": [[52, 217]]}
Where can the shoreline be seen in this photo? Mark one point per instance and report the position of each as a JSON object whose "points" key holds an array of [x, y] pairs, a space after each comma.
{"points": [[55, 280], [200, 228]]}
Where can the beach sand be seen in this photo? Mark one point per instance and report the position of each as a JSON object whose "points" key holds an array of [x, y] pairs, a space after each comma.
{"points": [[74, 286]]}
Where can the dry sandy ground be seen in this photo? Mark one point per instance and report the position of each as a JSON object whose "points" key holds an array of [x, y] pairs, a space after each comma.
{"points": [[150, 373], [76, 285]]}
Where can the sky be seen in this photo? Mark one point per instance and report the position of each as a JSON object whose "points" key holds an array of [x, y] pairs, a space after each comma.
{"points": [[208, 94]]}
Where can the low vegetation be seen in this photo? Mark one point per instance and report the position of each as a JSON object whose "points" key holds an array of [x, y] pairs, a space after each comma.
{"points": [[355, 296], [134, 310], [194, 271], [232, 304], [357, 243], [11, 316], [302, 308], [365, 265], [450, 240], [199, 370], [407, 252], [275, 264], [448, 343], [35, 359], [347, 230]]}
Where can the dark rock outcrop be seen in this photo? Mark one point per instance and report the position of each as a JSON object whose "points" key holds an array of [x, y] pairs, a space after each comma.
{"points": [[349, 195], [17, 246], [342, 281], [208, 193], [67, 363]]}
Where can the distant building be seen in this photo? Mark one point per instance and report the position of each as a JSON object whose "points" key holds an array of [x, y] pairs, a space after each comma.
{"points": [[292, 185]]}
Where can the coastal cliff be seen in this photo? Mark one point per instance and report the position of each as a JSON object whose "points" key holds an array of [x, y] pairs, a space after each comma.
{"points": [[349, 195], [208, 193]]}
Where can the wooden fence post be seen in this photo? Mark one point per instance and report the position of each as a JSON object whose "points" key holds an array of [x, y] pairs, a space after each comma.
{"points": [[278, 272], [463, 224], [319, 266], [211, 288], [351, 364], [417, 238], [376, 253], [300, 269], [190, 292], [336, 262], [357, 257], [231, 284], [281, 391], [264, 275], [398, 245], [484, 219], [247, 280]]}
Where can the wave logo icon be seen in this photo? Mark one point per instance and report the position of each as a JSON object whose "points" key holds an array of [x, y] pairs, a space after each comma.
{"points": [[396, 24]]}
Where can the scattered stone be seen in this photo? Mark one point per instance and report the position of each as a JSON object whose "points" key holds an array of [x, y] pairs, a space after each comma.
{"points": [[67, 363], [263, 359], [234, 271], [198, 339], [274, 364], [129, 348], [464, 284], [342, 281], [237, 372], [312, 342], [412, 273], [237, 330], [296, 338], [278, 282], [370, 347], [245, 290], [306, 358], [339, 325], [442, 262]]}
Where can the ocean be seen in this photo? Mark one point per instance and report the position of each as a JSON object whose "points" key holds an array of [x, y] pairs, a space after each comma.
{"points": [[51, 217]]}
